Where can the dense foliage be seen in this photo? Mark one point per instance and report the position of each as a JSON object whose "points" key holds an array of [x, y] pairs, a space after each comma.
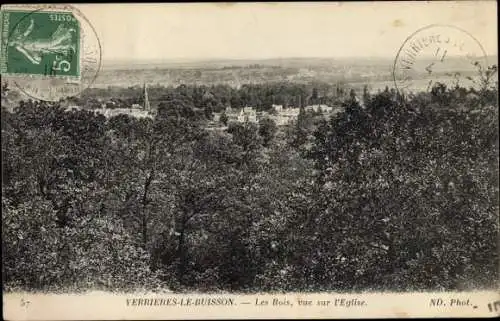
{"points": [[215, 98], [397, 194]]}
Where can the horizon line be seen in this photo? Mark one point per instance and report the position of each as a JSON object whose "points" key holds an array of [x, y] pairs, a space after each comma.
{"points": [[201, 59]]}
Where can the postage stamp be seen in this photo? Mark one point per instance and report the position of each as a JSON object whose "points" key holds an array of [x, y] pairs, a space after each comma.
{"points": [[432, 55], [48, 51], [41, 43]]}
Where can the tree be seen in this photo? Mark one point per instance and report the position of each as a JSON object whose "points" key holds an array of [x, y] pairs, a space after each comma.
{"points": [[352, 94], [246, 137], [299, 134], [366, 95], [314, 96], [57, 234], [388, 149], [375, 197], [223, 118], [176, 124], [209, 112], [5, 89], [267, 130]]}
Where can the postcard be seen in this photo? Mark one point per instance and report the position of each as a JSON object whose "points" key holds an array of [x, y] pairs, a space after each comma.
{"points": [[250, 160]]}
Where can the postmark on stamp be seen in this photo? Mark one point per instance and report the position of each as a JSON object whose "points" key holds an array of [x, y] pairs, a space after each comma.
{"points": [[48, 51], [438, 54], [41, 42]]}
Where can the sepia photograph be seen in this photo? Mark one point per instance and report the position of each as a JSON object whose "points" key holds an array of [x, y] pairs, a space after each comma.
{"points": [[226, 155]]}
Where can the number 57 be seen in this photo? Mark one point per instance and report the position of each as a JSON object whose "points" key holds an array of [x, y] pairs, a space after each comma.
{"points": [[25, 303]]}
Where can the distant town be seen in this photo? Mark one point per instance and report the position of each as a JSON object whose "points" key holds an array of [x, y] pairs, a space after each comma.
{"points": [[280, 114]]}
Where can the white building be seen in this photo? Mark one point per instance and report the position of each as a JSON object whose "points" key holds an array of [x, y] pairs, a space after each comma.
{"points": [[286, 116], [136, 110], [290, 112], [280, 120], [133, 112], [247, 114], [247, 109], [323, 108], [73, 107], [278, 108], [241, 117]]}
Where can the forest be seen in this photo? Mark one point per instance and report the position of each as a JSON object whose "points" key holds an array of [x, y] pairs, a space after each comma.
{"points": [[216, 97], [395, 194]]}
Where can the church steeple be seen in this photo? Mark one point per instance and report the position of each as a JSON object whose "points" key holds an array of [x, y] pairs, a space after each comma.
{"points": [[147, 106]]}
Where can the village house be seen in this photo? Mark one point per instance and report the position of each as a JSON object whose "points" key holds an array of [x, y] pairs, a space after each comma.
{"points": [[290, 112], [247, 114], [286, 116], [135, 110], [277, 108], [280, 120], [322, 108], [216, 117]]}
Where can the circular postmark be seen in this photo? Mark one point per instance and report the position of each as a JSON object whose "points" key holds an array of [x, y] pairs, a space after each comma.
{"points": [[49, 51], [438, 54]]}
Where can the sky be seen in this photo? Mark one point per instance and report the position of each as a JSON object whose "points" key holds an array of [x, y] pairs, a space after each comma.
{"points": [[265, 30]]}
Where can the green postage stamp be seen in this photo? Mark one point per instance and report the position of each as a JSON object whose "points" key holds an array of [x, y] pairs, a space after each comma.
{"points": [[48, 51], [40, 43]]}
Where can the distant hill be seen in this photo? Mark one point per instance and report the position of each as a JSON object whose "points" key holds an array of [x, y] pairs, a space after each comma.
{"points": [[221, 63], [277, 62], [235, 72]]}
